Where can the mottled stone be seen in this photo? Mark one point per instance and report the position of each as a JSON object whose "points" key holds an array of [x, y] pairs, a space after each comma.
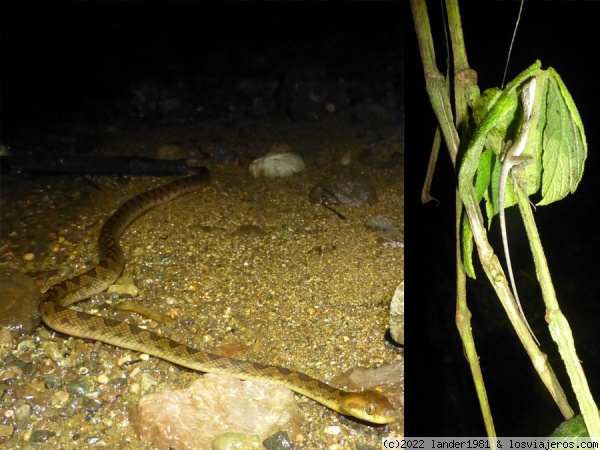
{"points": [[214, 405], [278, 441], [41, 435], [277, 165], [19, 301], [344, 189], [84, 385]]}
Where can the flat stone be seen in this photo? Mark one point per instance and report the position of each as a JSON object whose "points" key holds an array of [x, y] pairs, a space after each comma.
{"points": [[344, 189], [19, 301]]}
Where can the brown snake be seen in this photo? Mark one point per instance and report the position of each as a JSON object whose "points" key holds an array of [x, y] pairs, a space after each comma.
{"points": [[368, 405]]}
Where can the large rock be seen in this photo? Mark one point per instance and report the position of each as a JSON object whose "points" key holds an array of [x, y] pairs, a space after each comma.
{"points": [[345, 189], [213, 405], [397, 315], [19, 302]]}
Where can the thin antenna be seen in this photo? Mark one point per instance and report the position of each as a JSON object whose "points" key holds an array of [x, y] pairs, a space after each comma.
{"points": [[511, 43]]}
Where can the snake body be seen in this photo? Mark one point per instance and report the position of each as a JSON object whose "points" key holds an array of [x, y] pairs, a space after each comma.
{"points": [[368, 405]]}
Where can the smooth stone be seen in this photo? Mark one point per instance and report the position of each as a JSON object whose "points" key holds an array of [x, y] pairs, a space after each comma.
{"points": [[277, 165], [19, 301], [379, 224], [397, 315], [278, 441], [344, 189]]}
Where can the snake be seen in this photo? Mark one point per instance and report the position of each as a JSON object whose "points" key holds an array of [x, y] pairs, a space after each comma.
{"points": [[368, 405]]}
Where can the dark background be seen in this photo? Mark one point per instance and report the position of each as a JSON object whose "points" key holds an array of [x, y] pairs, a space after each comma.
{"points": [[440, 396], [65, 61]]}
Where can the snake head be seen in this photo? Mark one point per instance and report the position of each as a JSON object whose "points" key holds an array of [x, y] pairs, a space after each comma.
{"points": [[370, 406]]}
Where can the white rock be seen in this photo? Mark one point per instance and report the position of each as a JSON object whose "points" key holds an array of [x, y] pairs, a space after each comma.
{"points": [[276, 165], [332, 429], [215, 404]]}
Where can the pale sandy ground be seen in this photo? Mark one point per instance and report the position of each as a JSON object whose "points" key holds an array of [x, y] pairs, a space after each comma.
{"points": [[312, 293]]}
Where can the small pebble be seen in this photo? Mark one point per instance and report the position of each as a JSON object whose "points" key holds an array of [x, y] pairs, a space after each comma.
{"points": [[11, 373], [6, 431], [334, 430], [93, 440], [60, 398], [192, 287], [52, 351], [22, 413], [102, 379], [26, 345], [379, 223], [52, 381], [84, 385], [91, 406], [28, 256], [124, 360], [278, 441], [147, 383], [41, 435]]}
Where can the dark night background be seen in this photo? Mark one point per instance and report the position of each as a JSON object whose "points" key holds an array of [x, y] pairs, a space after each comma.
{"points": [[78, 61], [440, 399]]}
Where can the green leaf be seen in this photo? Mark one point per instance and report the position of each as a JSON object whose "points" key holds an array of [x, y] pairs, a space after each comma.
{"points": [[484, 172], [490, 132], [484, 181], [572, 428], [563, 141], [467, 246], [484, 103]]}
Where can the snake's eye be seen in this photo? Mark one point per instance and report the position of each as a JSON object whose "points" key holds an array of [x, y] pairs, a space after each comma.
{"points": [[370, 408]]}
